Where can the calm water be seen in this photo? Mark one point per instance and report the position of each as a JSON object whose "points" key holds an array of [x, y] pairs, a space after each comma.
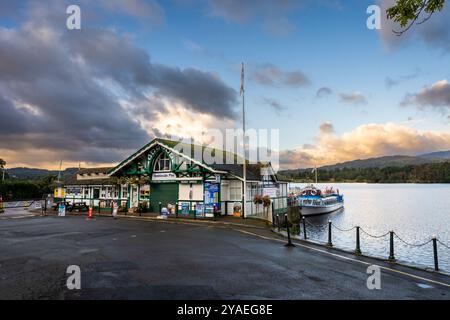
{"points": [[414, 211]]}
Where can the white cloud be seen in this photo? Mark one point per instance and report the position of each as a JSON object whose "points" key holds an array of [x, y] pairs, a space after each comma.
{"points": [[364, 141]]}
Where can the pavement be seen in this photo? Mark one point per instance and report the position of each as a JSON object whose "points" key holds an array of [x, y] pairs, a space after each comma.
{"points": [[16, 213], [152, 259]]}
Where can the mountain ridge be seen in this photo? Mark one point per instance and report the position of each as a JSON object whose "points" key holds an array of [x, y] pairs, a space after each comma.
{"points": [[383, 162]]}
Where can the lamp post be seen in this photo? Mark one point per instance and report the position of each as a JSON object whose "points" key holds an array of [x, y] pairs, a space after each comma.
{"points": [[244, 167]]}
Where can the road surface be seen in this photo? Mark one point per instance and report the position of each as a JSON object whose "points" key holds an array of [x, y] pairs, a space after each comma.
{"points": [[134, 259]]}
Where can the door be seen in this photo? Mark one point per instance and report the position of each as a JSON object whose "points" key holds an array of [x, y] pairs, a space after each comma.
{"points": [[164, 193], [134, 201]]}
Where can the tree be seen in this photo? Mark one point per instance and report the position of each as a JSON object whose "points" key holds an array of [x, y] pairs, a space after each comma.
{"points": [[2, 166], [408, 12]]}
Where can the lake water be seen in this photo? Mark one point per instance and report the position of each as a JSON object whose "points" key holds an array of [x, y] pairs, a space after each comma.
{"points": [[415, 212]]}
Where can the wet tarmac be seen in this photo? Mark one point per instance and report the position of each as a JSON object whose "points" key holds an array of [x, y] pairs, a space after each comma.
{"points": [[134, 259]]}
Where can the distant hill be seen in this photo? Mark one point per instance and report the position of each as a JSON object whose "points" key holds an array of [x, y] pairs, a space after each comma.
{"points": [[23, 173], [438, 154], [382, 162]]}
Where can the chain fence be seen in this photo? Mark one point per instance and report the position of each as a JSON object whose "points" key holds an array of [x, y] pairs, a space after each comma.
{"points": [[324, 233]]}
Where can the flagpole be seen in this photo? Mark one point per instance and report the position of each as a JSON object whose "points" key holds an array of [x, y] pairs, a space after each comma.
{"points": [[315, 169], [244, 167]]}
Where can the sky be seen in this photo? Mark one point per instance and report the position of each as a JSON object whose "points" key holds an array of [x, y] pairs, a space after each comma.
{"points": [[335, 89]]}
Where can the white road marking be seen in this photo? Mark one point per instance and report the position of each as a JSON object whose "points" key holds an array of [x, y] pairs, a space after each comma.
{"points": [[347, 258]]}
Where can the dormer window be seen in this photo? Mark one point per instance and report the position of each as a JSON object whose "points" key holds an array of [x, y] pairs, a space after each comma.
{"points": [[162, 163]]}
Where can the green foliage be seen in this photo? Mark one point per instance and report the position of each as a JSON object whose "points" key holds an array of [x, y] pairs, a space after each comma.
{"points": [[408, 11], [25, 189], [424, 173]]}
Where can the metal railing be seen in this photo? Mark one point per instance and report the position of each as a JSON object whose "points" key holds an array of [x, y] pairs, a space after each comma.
{"points": [[280, 223]]}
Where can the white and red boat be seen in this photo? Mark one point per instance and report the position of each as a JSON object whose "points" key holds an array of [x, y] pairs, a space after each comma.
{"points": [[313, 201]]}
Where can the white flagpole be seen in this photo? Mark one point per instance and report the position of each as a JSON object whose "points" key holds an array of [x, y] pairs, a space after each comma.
{"points": [[315, 171], [244, 167]]}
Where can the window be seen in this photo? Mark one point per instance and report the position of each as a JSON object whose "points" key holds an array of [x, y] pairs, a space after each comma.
{"points": [[124, 191], [235, 190], [162, 163]]}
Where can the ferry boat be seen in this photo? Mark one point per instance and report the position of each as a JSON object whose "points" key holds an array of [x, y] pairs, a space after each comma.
{"points": [[313, 201]]}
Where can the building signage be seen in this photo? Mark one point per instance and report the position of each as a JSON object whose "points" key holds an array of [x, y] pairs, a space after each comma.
{"points": [[61, 210], [74, 190], [271, 192], [161, 176], [185, 208], [212, 193]]}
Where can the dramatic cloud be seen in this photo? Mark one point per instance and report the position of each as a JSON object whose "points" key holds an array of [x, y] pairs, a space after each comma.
{"points": [[435, 31], [326, 127], [274, 104], [270, 75], [324, 92], [437, 96], [82, 95], [355, 98], [365, 141]]}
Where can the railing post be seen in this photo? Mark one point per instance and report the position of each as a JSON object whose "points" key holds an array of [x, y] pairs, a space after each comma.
{"points": [[358, 247], [289, 243], [304, 228], [278, 222], [329, 243], [435, 253], [195, 212], [273, 214], [391, 246]]}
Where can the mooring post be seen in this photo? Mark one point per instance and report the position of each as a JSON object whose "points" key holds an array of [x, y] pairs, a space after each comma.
{"points": [[304, 227], [329, 243], [44, 208], [176, 209], [391, 246], [159, 205], [435, 253], [358, 247], [289, 244], [273, 215]]}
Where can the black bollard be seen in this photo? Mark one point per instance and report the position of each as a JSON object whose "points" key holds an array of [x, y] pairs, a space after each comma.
{"points": [[278, 222], [273, 215], [358, 247], [391, 246], [289, 244], [304, 228], [159, 206], [435, 253], [176, 209], [329, 243]]}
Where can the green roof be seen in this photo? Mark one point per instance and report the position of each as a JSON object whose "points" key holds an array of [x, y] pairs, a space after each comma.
{"points": [[190, 146], [183, 146]]}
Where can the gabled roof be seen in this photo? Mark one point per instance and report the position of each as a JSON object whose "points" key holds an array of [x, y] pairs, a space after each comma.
{"points": [[235, 169], [175, 146]]}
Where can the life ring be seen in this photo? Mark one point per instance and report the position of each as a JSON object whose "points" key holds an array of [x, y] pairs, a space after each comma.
{"points": [[313, 192], [304, 193]]}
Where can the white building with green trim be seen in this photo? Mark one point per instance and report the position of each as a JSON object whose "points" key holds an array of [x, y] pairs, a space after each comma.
{"points": [[166, 173]]}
